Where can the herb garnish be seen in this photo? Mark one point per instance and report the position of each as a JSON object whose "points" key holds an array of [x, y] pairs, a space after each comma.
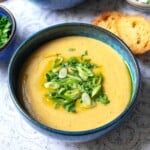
{"points": [[74, 80], [148, 1], [144, 1], [5, 27], [71, 49], [85, 53]]}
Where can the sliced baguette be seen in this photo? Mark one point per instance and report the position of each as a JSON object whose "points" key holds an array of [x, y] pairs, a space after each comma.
{"points": [[108, 20], [134, 30]]}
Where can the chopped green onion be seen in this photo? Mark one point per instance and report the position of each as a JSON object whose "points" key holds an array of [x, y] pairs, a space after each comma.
{"points": [[73, 94], [62, 73], [96, 90], [58, 61], [103, 99], [86, 100], [74, 80], [70, 107], [52, 85]]}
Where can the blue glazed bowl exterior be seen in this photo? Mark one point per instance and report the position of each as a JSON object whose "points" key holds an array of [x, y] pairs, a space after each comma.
{"points": [[58, 4], [7, 50], [69, 29]]}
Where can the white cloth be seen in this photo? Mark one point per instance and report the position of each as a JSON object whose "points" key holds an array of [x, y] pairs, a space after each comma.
{"points": [[16, 134]]}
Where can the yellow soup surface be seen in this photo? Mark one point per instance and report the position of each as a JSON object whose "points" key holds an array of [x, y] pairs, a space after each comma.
{"points": [[117, 84]]}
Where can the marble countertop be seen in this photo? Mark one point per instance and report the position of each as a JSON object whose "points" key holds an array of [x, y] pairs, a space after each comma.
{"points": [[16, 134]]}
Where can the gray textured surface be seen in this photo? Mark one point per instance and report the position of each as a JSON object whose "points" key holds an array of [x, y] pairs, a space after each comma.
{"points": [[16, 134]]}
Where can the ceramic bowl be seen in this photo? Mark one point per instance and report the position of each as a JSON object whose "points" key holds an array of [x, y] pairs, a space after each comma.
{"points": [[7, 49], [50, 33], [58, 4], [139, 5]]}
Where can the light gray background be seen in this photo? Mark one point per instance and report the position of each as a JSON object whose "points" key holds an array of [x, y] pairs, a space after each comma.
{"points": [[16, 134]]}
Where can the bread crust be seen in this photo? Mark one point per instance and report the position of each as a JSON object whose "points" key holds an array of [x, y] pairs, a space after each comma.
{"points": [[134, 30], [108, 20]]}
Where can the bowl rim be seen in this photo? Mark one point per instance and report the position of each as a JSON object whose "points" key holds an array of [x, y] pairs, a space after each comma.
{"points": [[65, 132], [139, 4], [8, 13]]}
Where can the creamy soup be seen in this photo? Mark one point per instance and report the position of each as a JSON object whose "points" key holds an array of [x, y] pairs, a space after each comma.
{"points": [[117, 84]]}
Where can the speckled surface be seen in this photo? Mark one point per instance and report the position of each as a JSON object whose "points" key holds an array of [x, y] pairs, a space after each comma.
{"points": [[16, 134]]}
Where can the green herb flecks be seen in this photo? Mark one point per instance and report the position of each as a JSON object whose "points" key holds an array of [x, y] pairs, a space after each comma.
{"points": [[71, 49], [71, 80], [148, 1], [144, 2], [5, 28], [85, 53]]}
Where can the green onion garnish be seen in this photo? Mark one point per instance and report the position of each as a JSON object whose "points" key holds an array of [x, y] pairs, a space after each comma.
{"points": [[5, 28], [74, 80]]}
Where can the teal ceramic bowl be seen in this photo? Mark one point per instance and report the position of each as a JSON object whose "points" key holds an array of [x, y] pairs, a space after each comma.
{"points": [[58, 4], [48, 34], [7, 49]]}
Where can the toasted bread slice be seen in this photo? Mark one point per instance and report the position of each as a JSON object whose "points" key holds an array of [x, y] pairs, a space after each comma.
{"points": [[108, 20], [135, 32]]}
